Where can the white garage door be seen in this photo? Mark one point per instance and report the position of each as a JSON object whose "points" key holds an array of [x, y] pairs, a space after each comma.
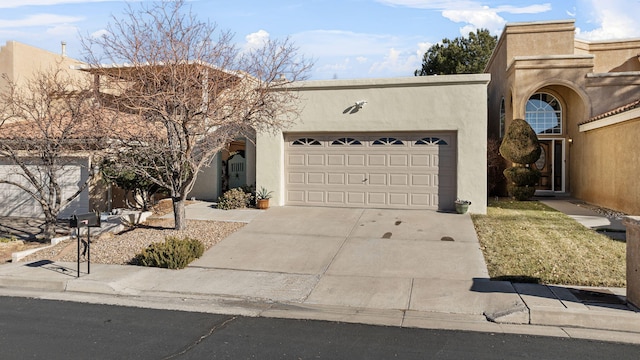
{"points": [[400, 170], [16, 202]]}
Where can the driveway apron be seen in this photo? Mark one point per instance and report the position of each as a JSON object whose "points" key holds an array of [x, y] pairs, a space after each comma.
{"points": [[367, 258]]}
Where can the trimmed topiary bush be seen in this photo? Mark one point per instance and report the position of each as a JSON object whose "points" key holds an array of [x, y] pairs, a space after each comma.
{"points": [[521, 175], [520, 146], [234, 199], [173, 253]]}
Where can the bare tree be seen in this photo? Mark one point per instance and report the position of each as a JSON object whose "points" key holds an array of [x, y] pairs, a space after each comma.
{"points": [[48, 131], [190, 89]]}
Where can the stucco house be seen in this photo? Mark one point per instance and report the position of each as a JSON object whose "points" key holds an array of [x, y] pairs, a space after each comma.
{"points": [[405, 143], [582, 99]]}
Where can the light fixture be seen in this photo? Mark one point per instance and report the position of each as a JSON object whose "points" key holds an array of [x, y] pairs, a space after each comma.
{"points": [[570, 140], [360, 104]]}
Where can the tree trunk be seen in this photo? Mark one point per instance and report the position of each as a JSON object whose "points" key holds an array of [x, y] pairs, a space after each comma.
{"points": [[179, 213], [49, 231]]}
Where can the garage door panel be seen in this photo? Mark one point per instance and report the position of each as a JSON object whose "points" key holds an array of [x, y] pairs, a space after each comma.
{"points": [[407, 170], [421, 180], [377, 198], [421, 160], [335, 160], [296, 159], [356, 160], [336, 197], [399, 179], [398, 160], [356, 178], [296, 178], [315, 178], [356, 198], [377, 160], [315, 196], [315, 160], [378, 179], [399, 199], [336, 179]]}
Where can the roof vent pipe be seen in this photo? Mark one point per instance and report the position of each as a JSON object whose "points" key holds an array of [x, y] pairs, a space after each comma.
{"points": [[63, 45]]}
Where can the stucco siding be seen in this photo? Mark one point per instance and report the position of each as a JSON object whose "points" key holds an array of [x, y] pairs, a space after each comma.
{"points": [[456, 103], [608, 172]]}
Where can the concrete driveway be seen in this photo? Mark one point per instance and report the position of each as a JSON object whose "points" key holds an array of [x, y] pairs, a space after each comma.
{"points": [[365, 258]]}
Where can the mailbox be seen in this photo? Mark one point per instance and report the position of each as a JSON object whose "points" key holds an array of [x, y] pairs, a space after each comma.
{"points": [[88, 219]]}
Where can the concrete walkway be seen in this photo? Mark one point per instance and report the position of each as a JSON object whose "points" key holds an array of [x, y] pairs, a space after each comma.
{"points": [[386, 267]]}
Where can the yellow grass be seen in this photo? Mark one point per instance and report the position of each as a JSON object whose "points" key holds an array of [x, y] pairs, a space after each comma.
{"points": [[531, 242]]}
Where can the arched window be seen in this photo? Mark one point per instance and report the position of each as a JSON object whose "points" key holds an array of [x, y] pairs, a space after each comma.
{"points": [[387, 141], [544, 114], [503, 115]]}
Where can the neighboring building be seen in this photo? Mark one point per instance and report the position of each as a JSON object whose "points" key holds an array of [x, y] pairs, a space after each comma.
{"points": [[406, 143], [18, 63], [582, 98]]}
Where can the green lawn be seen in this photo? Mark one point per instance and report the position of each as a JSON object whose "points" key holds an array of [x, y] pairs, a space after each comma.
{"points": [[531, 242]]}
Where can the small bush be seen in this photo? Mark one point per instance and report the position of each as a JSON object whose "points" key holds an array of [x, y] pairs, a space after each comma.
{"points": [[521, 193], [173, 253], [522, 176], [234, 199]]}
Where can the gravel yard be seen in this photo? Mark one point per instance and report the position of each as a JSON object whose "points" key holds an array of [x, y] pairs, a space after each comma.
{"points": [[121, 248]]}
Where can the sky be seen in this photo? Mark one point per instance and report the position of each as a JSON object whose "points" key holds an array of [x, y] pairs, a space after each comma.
{"points": [[346, 38]]}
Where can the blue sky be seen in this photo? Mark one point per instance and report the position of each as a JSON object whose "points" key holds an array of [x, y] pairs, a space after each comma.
{"points": [[347, 38]]}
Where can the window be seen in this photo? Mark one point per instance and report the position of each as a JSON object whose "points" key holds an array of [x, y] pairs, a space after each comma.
{"points": [[388, 141], [431, 141], [544, 114], [346, 141], [306, 141], [503, 115]]}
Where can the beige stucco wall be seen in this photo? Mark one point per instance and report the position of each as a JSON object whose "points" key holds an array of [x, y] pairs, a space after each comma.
{"points": [[20, 62], [609, 172], [612, 56], [436, 103]]}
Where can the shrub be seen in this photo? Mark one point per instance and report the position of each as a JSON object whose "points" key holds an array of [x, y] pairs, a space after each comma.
{"points": [[173, 253], [520, 146], [234, 199], [520, 175]]}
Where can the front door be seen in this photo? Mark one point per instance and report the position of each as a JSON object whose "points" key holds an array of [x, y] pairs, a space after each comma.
{"points": [[550, 165]]}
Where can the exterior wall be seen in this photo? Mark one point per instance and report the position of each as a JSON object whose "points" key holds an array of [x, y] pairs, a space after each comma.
{"points": [[20, 61], [439, 103], [207, 185], [612, 56], [609, 158]]}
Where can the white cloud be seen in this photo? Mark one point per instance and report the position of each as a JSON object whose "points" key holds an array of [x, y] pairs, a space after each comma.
{"points": [[256, 39], [473, 14], [476, 19], [614, 19], [39, 20], [99, 33], [397, 63]]}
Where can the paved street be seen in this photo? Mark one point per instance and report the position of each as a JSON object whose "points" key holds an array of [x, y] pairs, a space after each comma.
{"points": [[37, 329]]}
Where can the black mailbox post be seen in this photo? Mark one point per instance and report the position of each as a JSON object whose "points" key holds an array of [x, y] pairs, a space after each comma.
{"points": [[89, 220]]}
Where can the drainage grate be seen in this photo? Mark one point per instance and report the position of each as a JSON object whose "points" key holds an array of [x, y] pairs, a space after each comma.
{"points": [[447, 238]]}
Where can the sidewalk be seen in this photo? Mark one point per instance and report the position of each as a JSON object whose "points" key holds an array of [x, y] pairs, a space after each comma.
{"points": [[340, 291]]}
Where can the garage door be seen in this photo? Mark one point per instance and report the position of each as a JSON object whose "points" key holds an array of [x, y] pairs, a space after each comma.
{"points": [[400, 170], [16, 202]]}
